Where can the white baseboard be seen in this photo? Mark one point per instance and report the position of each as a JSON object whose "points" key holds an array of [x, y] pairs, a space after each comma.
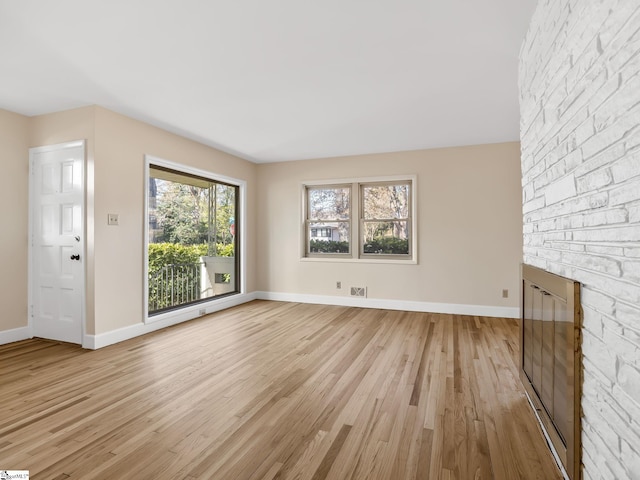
{"points": [[168, 319], [15, 335], [163, 320], [173, 318], [410, 306]]}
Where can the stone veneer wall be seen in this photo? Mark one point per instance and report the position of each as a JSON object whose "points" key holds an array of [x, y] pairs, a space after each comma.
{"points": [[580, 134]]}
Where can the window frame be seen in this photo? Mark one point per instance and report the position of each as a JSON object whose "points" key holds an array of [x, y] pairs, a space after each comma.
{"points": [[193, 309], [362, 220], [308, 221], [356, 244]]}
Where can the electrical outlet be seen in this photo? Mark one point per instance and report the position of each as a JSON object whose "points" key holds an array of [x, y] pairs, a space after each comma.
{"points": [[505, 293], [338, 285], [113, 219]]}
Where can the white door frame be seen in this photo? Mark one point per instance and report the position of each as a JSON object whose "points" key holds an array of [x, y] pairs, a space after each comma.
{"points": [[83, 243]]}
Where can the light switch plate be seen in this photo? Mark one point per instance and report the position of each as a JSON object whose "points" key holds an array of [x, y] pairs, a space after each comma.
{"points": [[112, 219]]}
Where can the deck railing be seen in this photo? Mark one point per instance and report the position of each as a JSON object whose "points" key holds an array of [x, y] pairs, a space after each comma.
{"points": [[174, 285]]}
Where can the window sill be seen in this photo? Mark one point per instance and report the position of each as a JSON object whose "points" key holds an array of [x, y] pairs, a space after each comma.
{"points": [[195, 310], [394, 261]]}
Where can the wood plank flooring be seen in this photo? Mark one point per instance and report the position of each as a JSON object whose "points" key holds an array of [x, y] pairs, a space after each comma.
{"points": [[272, 390]]}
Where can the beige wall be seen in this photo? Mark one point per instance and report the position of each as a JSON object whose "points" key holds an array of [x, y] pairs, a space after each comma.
{"points": [[116, 147], [121, 144], [469, 227], [14, 160], [469, 218]]}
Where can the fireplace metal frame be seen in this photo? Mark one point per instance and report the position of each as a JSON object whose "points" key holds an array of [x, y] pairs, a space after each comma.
{"points": [[551, 360]]}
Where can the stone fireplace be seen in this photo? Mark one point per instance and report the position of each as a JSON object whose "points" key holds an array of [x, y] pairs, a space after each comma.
{"points": [[580, 141]]}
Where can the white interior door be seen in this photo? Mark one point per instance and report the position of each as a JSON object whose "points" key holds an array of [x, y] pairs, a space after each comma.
{"points": [[57, 253]]}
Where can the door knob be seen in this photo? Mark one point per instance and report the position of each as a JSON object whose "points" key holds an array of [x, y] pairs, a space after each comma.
{"points": [[75, 257]]}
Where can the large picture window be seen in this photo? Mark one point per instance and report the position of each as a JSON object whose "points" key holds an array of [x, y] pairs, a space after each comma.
{"points": [[193, 239], [382, 227]]}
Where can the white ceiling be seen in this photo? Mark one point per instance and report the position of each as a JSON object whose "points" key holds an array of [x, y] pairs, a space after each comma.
{"points": [[274, 80]]}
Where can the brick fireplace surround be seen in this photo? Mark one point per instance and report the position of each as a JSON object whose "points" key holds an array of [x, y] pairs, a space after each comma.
{"points": [[580, 133]]}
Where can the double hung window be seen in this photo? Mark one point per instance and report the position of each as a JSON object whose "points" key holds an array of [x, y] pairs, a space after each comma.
{"points": [[328, 219], [360, 220], [385, 218]]}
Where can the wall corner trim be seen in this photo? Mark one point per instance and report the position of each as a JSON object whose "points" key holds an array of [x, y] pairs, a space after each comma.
{"points": [[407, 305]]}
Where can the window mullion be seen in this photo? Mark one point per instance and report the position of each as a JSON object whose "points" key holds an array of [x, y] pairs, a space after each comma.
{"points": [[355, 228]]}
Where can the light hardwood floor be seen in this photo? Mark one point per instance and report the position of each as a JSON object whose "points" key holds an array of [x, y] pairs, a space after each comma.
{"points": [[273, 390]]}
